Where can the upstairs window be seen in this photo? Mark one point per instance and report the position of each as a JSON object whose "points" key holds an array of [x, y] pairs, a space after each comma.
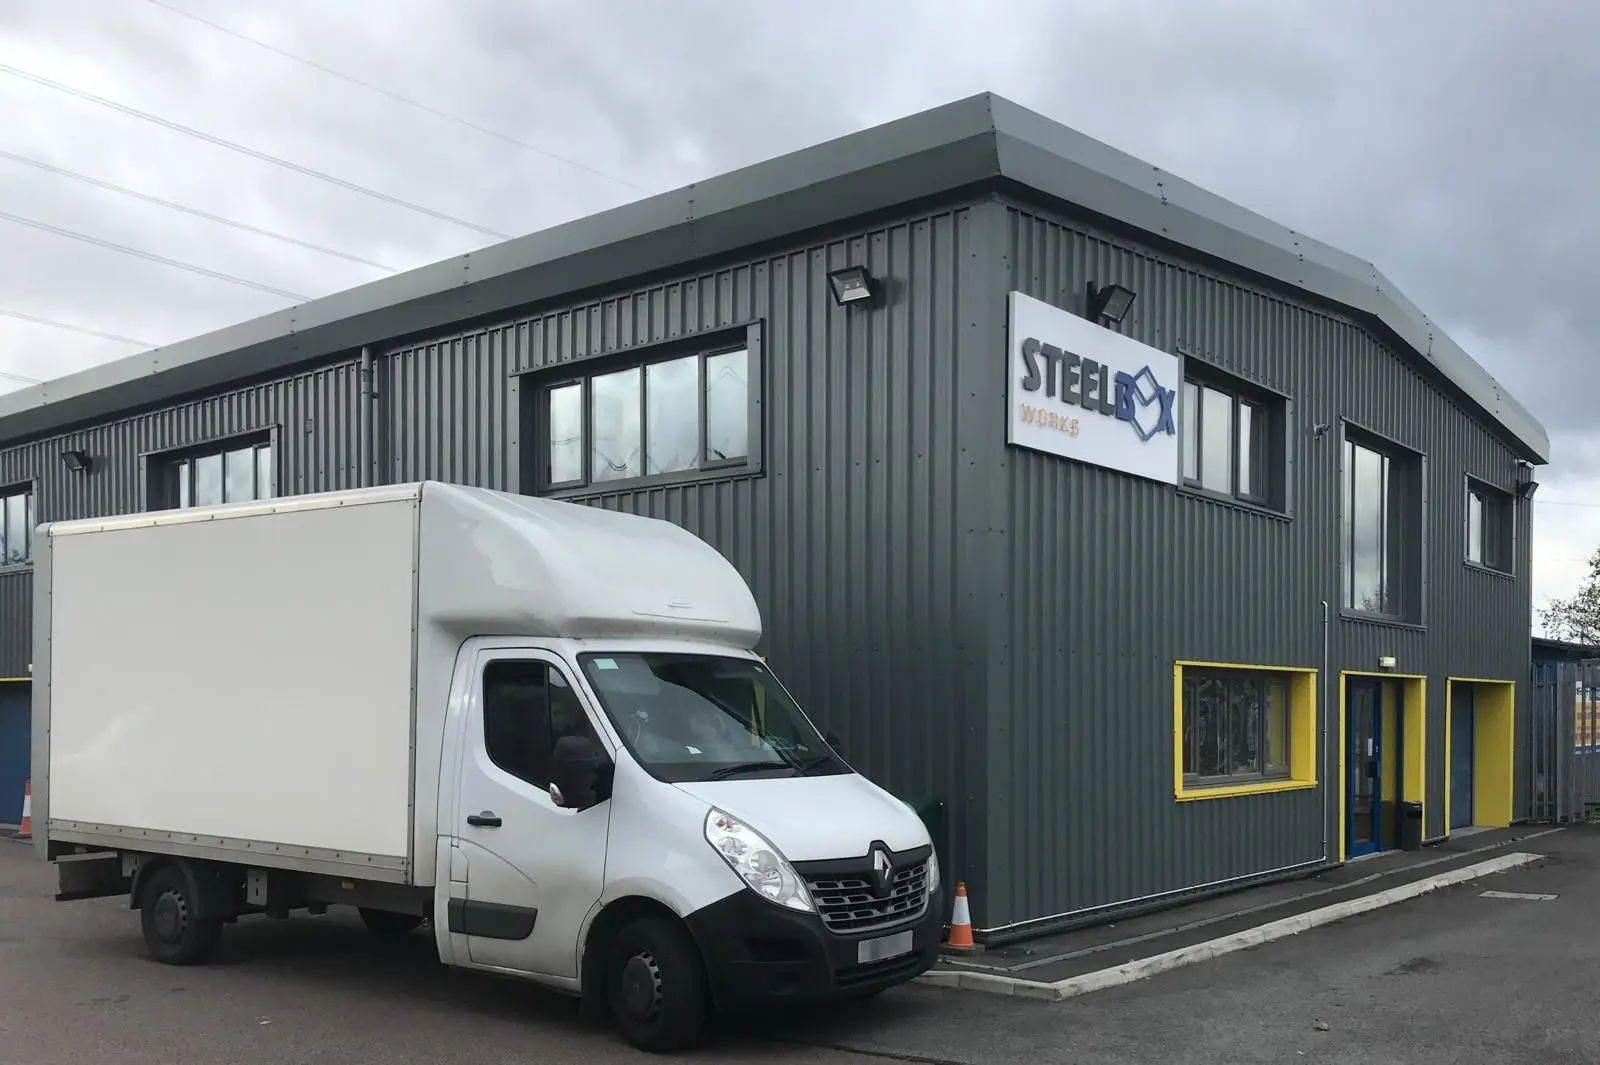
{"points": [[234, 470], [1381, 527], [657, 420], [1489, 527], [1233, 439], [236, 475], [16, 527]]}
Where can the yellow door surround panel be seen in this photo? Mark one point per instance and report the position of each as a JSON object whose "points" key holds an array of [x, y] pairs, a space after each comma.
{"points": [[1494, 738]]}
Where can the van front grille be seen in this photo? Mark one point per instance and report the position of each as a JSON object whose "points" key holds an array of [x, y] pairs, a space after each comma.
{"points": [[848, 904]]}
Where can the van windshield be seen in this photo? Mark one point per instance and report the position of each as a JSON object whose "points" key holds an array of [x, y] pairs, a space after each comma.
{"points": [[689, 717]]}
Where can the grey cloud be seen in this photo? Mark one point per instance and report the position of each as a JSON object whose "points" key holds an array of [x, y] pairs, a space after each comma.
{"points": [[1450, 151]]}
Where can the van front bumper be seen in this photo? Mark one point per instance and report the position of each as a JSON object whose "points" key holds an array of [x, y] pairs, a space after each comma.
{"points": [[760, 954]]}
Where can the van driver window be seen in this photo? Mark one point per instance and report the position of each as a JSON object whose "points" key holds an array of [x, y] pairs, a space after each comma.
{"points": [[527, 707]]}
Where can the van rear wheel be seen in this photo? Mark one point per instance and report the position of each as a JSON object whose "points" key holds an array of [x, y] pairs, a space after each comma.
{"points": [[172, 932], [656, 985]]}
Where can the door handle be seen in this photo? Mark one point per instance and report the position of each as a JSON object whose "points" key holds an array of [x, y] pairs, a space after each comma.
{"points": [[487, 819]]}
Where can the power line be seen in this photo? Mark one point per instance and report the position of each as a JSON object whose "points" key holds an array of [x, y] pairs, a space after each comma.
{"points": [[36, 320], [1564, 503], [86, 179], [397, 97], [243, 150], [152, 256], [19, 377]]}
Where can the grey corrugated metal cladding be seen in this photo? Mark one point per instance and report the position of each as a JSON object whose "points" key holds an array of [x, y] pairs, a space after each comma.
{"points": [[988, 625]]}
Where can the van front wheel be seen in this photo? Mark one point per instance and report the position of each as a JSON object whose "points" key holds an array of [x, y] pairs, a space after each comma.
{"points": [[656, 985]]}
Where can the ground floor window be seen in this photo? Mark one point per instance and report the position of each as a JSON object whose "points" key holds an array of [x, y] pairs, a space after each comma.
{"points": [[1243, 728]]}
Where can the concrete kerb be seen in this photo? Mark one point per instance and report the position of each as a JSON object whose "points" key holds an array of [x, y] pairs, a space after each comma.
{"points": [[1141, 968]]}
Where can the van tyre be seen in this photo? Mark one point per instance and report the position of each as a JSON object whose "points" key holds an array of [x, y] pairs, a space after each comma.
{"points": [[172, 932], [389, 925], [656, 985]]}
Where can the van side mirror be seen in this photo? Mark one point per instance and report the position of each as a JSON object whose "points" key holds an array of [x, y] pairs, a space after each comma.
{"points": [[580, 774]]}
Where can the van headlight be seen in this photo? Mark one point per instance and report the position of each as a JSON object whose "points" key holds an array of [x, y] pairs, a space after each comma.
{"points": [[933, 856], [758, 863]]}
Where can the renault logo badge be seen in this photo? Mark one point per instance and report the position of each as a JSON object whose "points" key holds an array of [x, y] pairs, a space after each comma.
{"points": [[882, 871]]}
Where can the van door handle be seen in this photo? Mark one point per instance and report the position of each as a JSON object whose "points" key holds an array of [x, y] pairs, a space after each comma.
{"points": [[487, 819]]}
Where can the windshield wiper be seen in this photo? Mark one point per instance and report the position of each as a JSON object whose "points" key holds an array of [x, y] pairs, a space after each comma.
{"points": [[816, 762], [747, 767]]}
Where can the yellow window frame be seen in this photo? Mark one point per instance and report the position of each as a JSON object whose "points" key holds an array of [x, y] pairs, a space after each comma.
{"points": [[1302, 734]]}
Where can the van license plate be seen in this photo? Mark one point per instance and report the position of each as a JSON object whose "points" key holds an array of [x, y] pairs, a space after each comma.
{"points": [[884, 948]]}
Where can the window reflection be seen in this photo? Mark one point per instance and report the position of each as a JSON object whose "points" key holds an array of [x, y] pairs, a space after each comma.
{"points": [[566, 434], [615, 402], [207, 480], [727, 406], [672, 418], [239, 476], [1189, 433], [1216, 444], [236, 475], [657, 418], [1367, 507], [16, 528]]}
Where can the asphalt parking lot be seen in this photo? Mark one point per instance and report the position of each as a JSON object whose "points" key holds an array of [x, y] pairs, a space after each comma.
{"points": [[1449, 977]]}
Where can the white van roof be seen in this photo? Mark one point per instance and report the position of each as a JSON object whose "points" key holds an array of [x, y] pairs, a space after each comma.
{"points": [[499, 563]]}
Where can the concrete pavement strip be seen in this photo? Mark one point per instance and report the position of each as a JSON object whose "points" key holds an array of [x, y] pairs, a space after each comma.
{"points": [[1139, 969]]}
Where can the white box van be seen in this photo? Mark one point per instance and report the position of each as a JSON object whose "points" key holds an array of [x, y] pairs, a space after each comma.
{"points": [[539, 726]]}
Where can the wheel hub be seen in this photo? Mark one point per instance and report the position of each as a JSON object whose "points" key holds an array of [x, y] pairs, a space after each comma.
{"points": [[171, 914], [641, 986]]}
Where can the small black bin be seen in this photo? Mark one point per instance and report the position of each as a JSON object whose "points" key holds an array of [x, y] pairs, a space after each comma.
{"points": [[1411, 826]]}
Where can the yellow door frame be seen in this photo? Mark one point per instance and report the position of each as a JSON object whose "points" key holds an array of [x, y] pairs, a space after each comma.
{"points": [[1414, 762], [1494, 736]]}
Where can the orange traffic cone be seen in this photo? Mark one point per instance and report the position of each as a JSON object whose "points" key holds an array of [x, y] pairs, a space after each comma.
{"points": [[961, 923], [26, 832]]}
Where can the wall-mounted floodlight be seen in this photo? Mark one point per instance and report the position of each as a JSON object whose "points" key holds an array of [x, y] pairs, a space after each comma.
{"points": [[851, 284], [77, 460], [1526, 485], [1110, 303]]}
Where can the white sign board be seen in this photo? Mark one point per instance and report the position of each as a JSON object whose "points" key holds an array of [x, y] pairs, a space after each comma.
{"points": [[1084, 392]]}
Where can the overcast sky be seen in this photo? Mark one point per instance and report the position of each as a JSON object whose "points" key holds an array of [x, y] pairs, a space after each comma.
{"points": [[1451, 143]]}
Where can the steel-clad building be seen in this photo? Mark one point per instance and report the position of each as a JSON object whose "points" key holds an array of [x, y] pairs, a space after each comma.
{"points": [[1157, 598]]}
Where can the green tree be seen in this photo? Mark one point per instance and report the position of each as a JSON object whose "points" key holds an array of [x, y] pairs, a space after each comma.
{"points": [[1577, 620]]}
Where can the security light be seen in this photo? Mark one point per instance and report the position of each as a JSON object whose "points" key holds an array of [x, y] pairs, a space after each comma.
{"points": [[1526, 485], [77, 460], [851, 284], [1110, 303]]}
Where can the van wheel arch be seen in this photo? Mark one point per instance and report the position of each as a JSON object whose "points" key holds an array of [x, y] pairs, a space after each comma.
{"points": [[180, 912], [602, 935]]}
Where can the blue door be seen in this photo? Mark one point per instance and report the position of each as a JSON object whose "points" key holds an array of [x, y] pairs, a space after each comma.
{"points": [[1363, 762], [16, 721], [1462, 752]]}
